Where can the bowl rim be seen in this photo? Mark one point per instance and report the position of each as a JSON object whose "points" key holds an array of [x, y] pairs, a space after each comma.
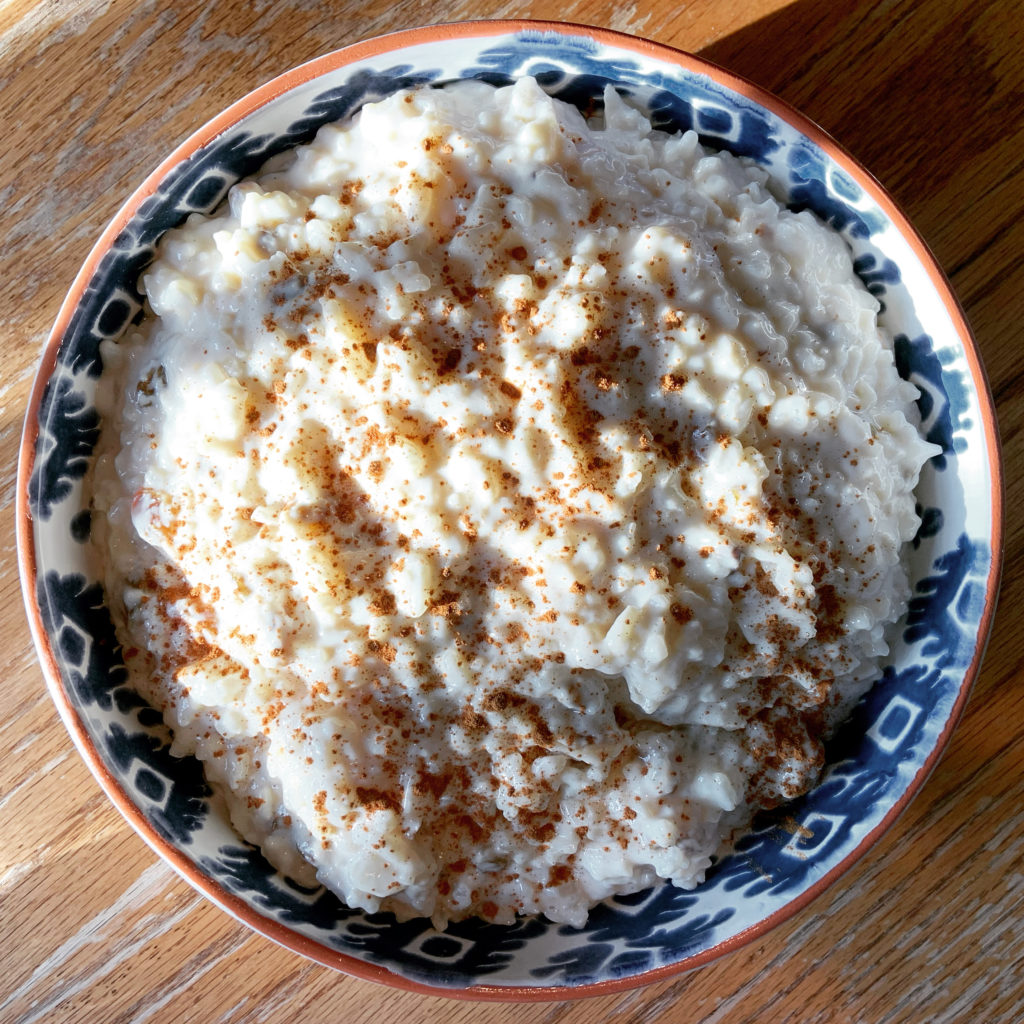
{"points": [[374, 47]]}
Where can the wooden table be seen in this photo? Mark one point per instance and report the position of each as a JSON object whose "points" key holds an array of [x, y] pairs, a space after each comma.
{"points": [[929, 926]]}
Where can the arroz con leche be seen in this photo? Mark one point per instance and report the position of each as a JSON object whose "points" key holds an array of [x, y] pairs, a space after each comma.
{"points": [[503, 507]]}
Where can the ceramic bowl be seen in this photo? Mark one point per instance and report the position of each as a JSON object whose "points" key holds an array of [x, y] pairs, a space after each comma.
{"points": [[876, 763]]}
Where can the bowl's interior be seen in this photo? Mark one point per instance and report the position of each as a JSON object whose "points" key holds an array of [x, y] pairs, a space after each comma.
{"points": [[876, 761]]}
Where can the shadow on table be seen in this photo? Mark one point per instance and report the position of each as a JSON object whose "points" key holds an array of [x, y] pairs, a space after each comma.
{"points": [[914, 90]]}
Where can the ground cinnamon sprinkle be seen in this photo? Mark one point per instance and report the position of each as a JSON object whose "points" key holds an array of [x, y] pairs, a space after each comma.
{"points": [[502, 490]]}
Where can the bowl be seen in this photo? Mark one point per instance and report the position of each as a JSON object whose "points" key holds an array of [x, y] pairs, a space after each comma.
{"points": [[876, 762]]}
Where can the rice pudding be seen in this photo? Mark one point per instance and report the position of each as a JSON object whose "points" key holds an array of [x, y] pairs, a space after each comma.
{"points": [[502, 506]]}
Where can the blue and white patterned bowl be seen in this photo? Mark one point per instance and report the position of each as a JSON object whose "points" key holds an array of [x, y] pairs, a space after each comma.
{"points": [[875, 764]]}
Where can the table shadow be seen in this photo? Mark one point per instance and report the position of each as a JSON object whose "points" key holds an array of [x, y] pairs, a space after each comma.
{"points": [[913, 90]]}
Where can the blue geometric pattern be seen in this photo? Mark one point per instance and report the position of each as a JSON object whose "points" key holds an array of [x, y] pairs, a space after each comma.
{"points": [[873, 760], [62, 455], [944, 401]]}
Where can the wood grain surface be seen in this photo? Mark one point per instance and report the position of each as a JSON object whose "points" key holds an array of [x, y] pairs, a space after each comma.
{"points": [[929, 926]]}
